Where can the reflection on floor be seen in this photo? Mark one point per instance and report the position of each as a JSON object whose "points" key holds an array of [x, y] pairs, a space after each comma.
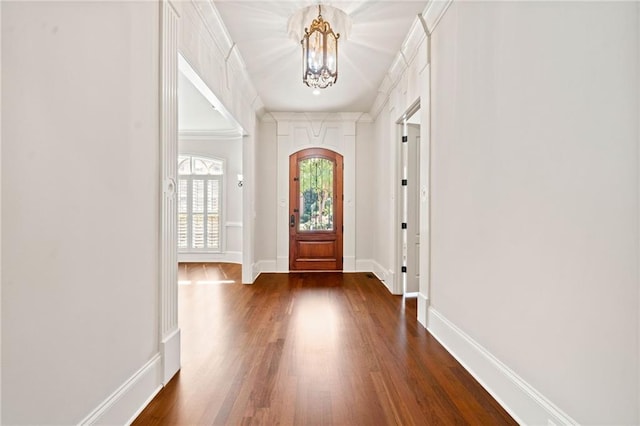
{"points": [[310, 348], [209, 273]]}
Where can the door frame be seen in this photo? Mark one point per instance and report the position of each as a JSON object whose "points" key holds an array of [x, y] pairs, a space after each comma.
{"points": [[399, 284], [338, 182]]}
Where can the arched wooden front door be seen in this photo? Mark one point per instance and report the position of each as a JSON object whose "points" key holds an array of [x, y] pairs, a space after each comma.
{"points": [[315, 210]]}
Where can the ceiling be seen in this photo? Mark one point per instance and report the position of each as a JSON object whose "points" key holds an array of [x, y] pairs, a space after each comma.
{"points": [[196, 113], [273, 60]]}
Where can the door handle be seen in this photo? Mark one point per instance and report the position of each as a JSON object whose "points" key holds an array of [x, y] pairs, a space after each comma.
{"points": [[293, 221]]}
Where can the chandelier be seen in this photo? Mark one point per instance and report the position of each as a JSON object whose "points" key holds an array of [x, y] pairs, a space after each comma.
{"points": [[319, 54]]}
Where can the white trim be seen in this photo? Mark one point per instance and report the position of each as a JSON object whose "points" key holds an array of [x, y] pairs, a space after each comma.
{"points": [[229, 256], [423, 310], [409, 53], [323, 117], [638, 178], [170, 350], [364, 265], [348, 264], [0, 213], [282, 263], [525, 404], [261, 266], [198, 135], [168, 254], [434, 12], [385, 275], [126, 403], [233, 225], [191, 75]]}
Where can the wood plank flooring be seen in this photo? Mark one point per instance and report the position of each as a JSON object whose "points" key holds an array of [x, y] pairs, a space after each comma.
{"points": [[310, 349]]}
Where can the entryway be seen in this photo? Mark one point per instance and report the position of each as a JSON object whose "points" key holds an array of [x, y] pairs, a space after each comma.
{"points": [[315, 216]]}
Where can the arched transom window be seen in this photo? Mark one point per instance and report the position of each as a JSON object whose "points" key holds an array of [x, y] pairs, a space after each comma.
{"points": [[199, 203]]}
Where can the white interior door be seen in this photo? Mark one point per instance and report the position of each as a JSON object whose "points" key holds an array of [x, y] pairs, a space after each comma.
{"points": [[413, 209]]}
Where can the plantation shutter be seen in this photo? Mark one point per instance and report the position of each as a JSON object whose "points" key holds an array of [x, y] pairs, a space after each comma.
{"points": [[199, 200]]}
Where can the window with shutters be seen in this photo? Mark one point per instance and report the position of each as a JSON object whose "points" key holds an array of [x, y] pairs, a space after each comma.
{"points": [[199, 204]]}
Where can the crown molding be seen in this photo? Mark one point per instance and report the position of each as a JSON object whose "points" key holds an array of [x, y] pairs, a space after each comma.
{"points": [[434, 11], [209, 134], [365, 118], [234, 87], [432, 14], [314, 116]]}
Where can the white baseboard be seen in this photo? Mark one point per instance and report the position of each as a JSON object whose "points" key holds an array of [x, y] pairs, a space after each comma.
{"points": [[348, 264], [229, 257], [364, 265], [264, 266], [282, 264], [384, 275], [128, 401], [255, 271], [170, 351], [525, 404], [423, 313]]}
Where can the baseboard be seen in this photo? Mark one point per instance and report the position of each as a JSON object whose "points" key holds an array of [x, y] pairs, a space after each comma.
{"points": [[364, 265], [384, 275], [264, 266], [229, 257], [348, 264], [128, 401], [423, 313], [255, 271], [282, 264], [170, 351], [525, 404]]}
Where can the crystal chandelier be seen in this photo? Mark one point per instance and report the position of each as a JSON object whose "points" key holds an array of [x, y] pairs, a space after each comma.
{"points": [[319, 54]]}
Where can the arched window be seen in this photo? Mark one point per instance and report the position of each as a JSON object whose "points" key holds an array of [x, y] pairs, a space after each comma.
{"points": [[199, 203]]}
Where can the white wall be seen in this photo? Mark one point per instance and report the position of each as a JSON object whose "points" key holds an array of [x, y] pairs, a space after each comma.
{"points": [[80, 199], [230, 151], [535, 196], [266, 195], [365, 189], [384, 199]]}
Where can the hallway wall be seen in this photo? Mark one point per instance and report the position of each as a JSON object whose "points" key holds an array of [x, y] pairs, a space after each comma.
{"points": [[266, 195], [535, 198], [80, 206]]}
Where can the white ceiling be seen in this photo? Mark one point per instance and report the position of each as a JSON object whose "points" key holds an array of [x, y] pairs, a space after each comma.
{"points": [[196, 113], [259, 29]]}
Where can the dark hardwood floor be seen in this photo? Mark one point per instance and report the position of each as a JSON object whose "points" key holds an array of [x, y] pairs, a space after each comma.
{"points": [[310, 348]]}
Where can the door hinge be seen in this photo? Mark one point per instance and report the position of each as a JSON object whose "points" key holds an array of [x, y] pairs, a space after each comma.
{"points": [[404, 269], [405, 139], [295, 179], [404, 225], [404, 182]]}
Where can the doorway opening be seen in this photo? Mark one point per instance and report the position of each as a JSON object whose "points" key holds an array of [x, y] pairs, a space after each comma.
{"points": [[315, 216], [209, 187], [409, 202]]}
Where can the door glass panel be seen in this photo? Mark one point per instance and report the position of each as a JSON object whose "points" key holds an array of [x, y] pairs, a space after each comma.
{"points": [[316, 194]]}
